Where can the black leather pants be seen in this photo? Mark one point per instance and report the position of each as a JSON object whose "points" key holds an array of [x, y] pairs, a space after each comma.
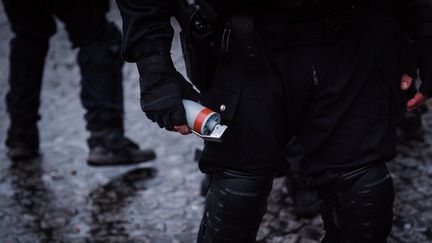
{"points": [[235, 205], [358, 206]]}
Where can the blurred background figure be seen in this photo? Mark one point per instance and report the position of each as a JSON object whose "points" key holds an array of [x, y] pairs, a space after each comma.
{"points": [[410, 125], [99, 43], [306, 203]]}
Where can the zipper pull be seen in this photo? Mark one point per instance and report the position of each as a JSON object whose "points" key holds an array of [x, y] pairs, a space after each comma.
{"points": [[314, 76], [226, 39]]}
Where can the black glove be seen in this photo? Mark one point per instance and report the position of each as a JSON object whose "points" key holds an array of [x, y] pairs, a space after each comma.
{"points": [[420, 58], [162, 91]]}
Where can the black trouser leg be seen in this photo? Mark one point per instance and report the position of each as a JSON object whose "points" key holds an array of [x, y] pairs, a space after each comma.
{"points": [[33, 25], [102, 89], [27, 58], [99, 44], [235, 205], [360, 210]]}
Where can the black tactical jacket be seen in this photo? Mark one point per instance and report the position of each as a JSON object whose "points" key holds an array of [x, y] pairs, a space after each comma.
{"points": [[147, 29]]}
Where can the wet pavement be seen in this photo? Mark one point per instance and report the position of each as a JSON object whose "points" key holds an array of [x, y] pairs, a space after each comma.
{"points": [[58, 198]]}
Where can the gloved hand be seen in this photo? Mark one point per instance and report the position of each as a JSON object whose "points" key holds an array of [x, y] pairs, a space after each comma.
{"points": [[162, 91], [419, 58]]}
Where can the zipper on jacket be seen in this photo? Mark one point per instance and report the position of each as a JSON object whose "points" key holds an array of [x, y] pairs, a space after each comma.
{"points": [[314, 76]]}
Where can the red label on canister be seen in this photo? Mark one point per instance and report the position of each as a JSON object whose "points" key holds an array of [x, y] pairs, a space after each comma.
{"points": [[200, 118]]}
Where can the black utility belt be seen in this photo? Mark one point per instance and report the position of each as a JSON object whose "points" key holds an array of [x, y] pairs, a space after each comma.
{"points": [[252, 33], [292, 30], [323, 31]]}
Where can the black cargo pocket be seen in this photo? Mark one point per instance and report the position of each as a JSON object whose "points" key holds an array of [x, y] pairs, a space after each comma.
{"points": [[221, 101]]}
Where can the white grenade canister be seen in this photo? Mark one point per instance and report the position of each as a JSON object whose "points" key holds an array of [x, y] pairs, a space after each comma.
{"points": [[204, 122]]}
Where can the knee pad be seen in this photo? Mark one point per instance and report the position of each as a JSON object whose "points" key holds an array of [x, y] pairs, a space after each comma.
{"points": [[364, 212], [235, 205]]}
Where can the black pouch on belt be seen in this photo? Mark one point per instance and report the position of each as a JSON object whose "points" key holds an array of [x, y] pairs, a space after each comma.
{"points": [[198, 22], [248, 41]]}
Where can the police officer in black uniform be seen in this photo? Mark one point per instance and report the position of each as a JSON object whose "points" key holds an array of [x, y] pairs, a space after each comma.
{"points": [[328, 72], [99, 58]]}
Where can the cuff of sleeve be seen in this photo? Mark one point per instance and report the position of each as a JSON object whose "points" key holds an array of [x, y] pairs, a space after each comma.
{"points": [[155, 63], [148, 48]]}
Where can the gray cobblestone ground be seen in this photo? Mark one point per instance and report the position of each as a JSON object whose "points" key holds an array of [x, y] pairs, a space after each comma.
{"points": [[58, 198]]}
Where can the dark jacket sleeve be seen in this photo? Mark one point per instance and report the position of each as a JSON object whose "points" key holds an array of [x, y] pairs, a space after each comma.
{"points": [[417, 15], [146, 27]]}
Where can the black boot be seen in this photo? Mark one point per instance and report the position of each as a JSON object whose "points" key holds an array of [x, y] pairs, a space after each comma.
{"points": [[111, 147], [22, 143]]}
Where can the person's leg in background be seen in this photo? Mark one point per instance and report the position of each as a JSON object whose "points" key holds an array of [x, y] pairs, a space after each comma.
{"points": [[410, 125], [305, 198], [32, 25], [99, 43]]}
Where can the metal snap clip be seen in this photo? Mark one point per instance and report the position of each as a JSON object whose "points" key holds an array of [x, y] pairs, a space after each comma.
{"points": [[222, 108]]}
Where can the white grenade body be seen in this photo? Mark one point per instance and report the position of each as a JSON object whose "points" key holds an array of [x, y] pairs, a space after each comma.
{"points": [[203, 121]]}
